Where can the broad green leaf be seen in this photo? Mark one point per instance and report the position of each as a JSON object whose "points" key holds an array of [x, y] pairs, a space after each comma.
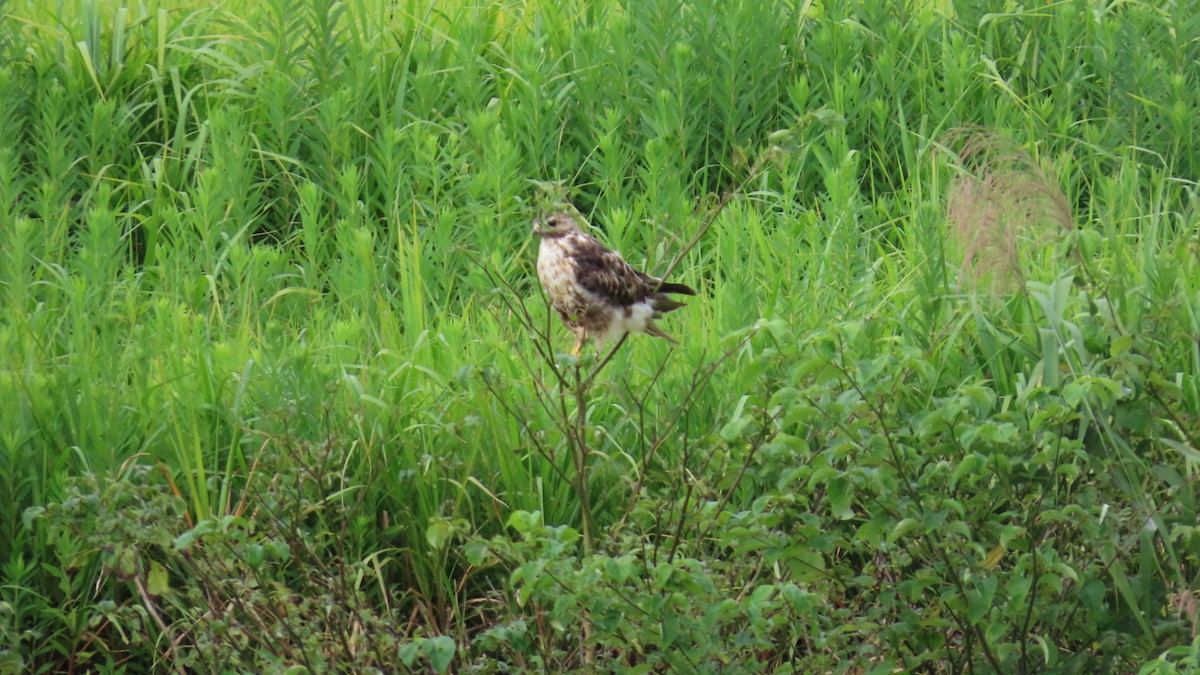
{"points": [[619, 569], [157, 580], [902, 528], [979, 598], [524, 521], [440, 652], [256, 555], [841, 492], [439, 532], [972, 464]]}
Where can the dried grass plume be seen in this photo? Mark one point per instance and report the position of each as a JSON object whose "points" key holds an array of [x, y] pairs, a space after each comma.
{"points": [[999, 207]]}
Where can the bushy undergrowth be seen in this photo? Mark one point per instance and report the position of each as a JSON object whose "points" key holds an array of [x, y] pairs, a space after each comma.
{"points": [[280, 393]]}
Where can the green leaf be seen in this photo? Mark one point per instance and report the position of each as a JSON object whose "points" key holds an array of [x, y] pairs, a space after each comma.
{"points": [[125, 562], [871, 532], [1182, 448], [439, 532], [841, 490], [761, 600], [902, 528], [1121, 345], [1045, 648], [440, 652], [158, 582], [670, 629], [477, 552], [619, 569], [524, 521], [256, 555], [409, 652], [1121, 581], [186, 539], [979, 598], [1134, 415], [822, 475], [278, 550], [738, 422], [30, 514], [972, 464], [805, 564], [1010, 532]]}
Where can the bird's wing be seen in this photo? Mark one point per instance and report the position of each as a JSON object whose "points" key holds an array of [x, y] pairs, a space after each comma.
{"points": [[602, 272]]}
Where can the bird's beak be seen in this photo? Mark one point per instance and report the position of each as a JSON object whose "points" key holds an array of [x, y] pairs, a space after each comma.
{"points": [[537, 227]]}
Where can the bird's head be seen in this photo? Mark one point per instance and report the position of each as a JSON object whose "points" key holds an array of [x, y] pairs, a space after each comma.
{"points": [[554, 225]]}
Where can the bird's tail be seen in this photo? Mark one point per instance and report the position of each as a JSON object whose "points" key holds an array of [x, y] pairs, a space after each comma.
{"points": [[681, 289], [662, 304]]}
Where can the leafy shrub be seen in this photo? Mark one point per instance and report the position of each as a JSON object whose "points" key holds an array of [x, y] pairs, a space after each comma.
{"points": [[639, 609], [266, 588], [903, 519]]}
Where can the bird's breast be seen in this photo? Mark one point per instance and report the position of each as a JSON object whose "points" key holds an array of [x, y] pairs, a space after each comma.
{"points": [[555, 270]]}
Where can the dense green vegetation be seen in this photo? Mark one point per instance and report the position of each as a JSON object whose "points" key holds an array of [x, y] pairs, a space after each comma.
{"points": [[279, 391]]}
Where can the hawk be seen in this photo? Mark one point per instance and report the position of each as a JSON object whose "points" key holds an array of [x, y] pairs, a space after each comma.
{"points": [[596, 293]]}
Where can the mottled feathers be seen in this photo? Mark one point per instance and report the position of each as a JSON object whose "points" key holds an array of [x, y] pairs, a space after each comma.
{"points": [[598, 295]]}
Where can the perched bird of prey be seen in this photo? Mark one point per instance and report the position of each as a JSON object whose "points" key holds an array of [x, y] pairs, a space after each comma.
{"points": [[596, 293]]}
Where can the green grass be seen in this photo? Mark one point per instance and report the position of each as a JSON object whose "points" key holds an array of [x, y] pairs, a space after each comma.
{"points": [[280, 389]]}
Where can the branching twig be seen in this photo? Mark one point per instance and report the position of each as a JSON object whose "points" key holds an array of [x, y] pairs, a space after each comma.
{"points": [[711, 217], [700, 378]]}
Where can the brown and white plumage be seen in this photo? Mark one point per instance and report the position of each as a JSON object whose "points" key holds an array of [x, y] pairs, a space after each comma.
{"points": [[596, 293]]}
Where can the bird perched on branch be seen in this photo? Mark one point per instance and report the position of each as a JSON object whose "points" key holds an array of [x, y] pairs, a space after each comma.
{"points": [[596, 293]]}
